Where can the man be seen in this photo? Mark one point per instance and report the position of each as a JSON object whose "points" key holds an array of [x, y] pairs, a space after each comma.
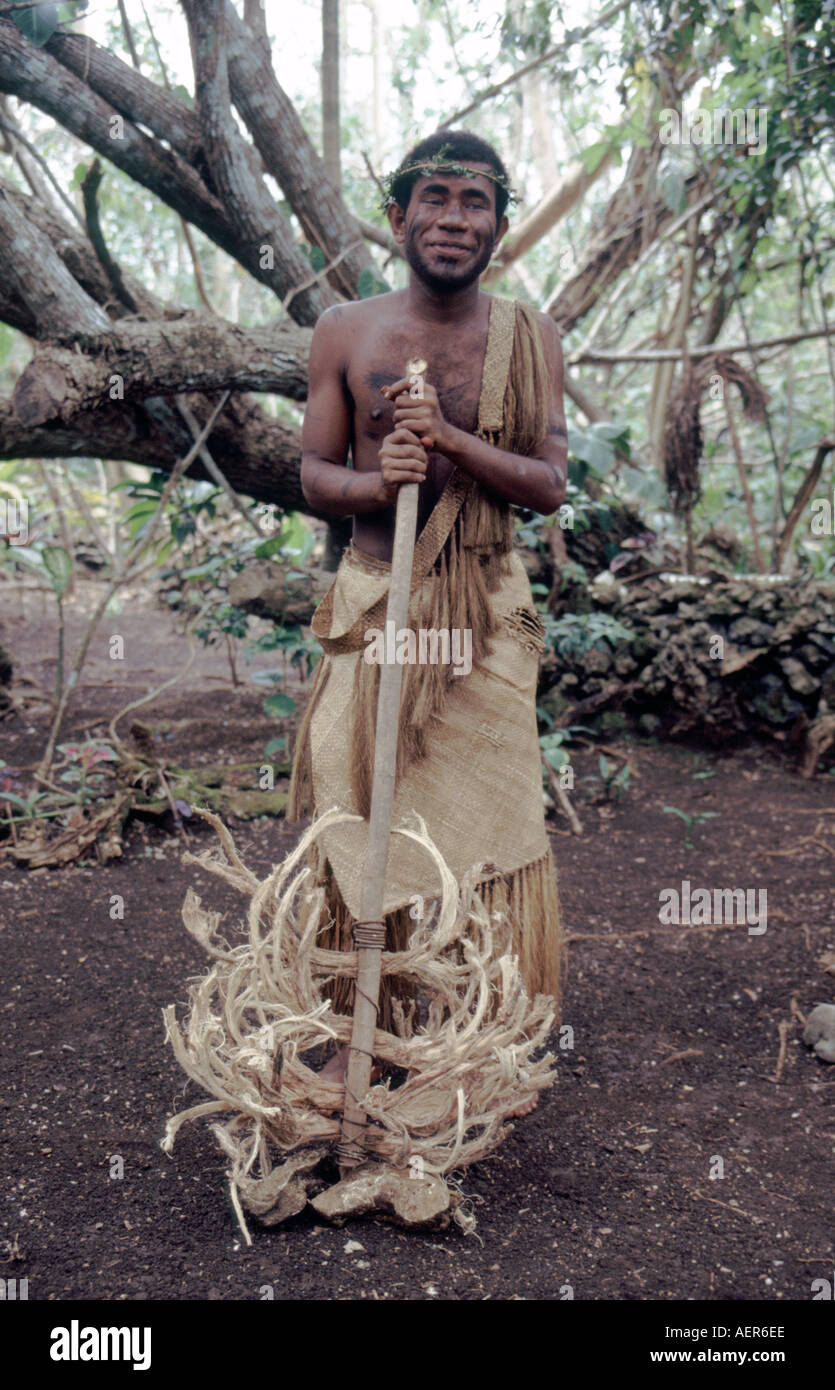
{"points": [[486, 432]]}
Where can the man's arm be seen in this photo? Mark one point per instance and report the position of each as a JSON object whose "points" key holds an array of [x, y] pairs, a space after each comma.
{"points": [[536, 482], [328, 485]]}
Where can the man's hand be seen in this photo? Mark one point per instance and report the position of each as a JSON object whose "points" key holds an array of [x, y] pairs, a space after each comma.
{"points": [[402, 460], [421, 415]]}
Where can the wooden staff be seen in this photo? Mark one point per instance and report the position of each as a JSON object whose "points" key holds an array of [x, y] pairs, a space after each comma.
{"points": [[369, 932]]}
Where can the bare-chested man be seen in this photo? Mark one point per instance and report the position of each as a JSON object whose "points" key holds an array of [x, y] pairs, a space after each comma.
{"points": [[448, 223], [359, 394]]}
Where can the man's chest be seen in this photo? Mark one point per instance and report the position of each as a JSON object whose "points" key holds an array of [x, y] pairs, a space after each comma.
{"points": [[454, 365]]}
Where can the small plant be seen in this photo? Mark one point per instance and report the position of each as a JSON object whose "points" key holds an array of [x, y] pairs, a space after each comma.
{"points": [[690, 821], [614, 782], [552, 743], [83, 759]]}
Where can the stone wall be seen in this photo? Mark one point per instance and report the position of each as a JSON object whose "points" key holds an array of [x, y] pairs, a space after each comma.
{"points": [[721, 658]]}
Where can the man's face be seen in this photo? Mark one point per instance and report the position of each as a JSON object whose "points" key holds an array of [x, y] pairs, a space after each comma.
{"points": [[448, 231]]}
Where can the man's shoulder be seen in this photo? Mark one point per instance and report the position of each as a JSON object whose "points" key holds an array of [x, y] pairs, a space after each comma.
{"points": [[355, 312]]}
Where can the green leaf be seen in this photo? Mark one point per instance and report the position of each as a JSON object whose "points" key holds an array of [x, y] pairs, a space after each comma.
{"points": [[671, 188], [276, 745], [37, 24], [30, 559], [596, 452], [266, 549], [367, 284], [58, 565], [279, 706], [592, 155]]}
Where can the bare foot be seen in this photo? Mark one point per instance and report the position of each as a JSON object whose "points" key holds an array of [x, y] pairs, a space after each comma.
{"points": [[526, 1106], [336, 1068]]}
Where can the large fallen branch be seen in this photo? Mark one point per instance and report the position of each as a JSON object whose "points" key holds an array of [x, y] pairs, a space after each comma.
{"points": [[260, 457], [134, 360]]}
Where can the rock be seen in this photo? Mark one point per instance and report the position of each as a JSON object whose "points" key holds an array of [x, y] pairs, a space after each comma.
{"points": [[819, 1031], [625, 664], [776, 667], [749, 627], [248, 804], [266, 589], [598, 659], [285, 1192], [797, 675], [376, 1188]]}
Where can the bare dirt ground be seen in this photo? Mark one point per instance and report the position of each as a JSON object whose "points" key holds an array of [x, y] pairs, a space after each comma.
{"points": [[606, 1191]]}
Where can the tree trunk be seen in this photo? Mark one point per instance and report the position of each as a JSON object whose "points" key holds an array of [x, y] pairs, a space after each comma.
{"points": [[330, 91]]}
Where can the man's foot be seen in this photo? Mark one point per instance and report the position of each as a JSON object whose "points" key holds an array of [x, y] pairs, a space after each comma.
{"points": [[336, 1069], [526, 1106]]}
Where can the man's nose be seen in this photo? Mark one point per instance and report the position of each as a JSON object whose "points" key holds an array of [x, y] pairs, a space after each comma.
{"points": [[452, 215]]}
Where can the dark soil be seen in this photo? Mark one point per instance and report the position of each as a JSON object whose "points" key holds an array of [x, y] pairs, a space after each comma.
{"points": [[606, 1190]]}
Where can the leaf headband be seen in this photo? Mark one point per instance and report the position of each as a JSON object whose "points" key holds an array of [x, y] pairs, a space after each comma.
{"points": [[441, 163]]}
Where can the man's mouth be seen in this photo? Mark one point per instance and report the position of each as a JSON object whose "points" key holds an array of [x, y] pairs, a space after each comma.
{"points": [[447, 246]]}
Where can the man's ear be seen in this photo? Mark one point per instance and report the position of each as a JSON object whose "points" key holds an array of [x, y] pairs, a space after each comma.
{"points": [[397, 222], [501, 231]]}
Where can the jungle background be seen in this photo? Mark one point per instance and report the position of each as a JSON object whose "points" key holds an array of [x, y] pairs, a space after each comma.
{"points": [[184, 187]]}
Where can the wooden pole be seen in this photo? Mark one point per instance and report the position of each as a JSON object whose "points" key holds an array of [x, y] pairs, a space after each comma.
{"points": [[370, 931]]}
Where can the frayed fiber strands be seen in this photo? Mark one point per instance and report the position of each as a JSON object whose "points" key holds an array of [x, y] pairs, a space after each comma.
{"points": [[261, 1007]]}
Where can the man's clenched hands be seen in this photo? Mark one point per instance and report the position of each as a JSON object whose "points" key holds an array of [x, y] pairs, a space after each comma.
{"points": [[422, 414], [402, 460]]}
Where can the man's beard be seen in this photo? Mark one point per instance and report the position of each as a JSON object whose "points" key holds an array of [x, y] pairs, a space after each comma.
{"points": [[446, 275]]}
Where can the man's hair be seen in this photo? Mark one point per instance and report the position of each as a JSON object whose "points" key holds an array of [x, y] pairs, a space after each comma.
{"points": [[453, 147]]}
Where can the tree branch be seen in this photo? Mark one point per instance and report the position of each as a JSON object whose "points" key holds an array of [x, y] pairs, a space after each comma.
{"points": [[33, 75], [11, 128], [289, 154], [76, 253], [57, 303], [138, 360], [260, 456], [89, 189], [125, 89], [675, 355], [230, 159], [574, 36], [801, 501]]}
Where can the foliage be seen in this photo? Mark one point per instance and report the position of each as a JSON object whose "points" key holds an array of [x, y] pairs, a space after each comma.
{"points": [[575, 634]]}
